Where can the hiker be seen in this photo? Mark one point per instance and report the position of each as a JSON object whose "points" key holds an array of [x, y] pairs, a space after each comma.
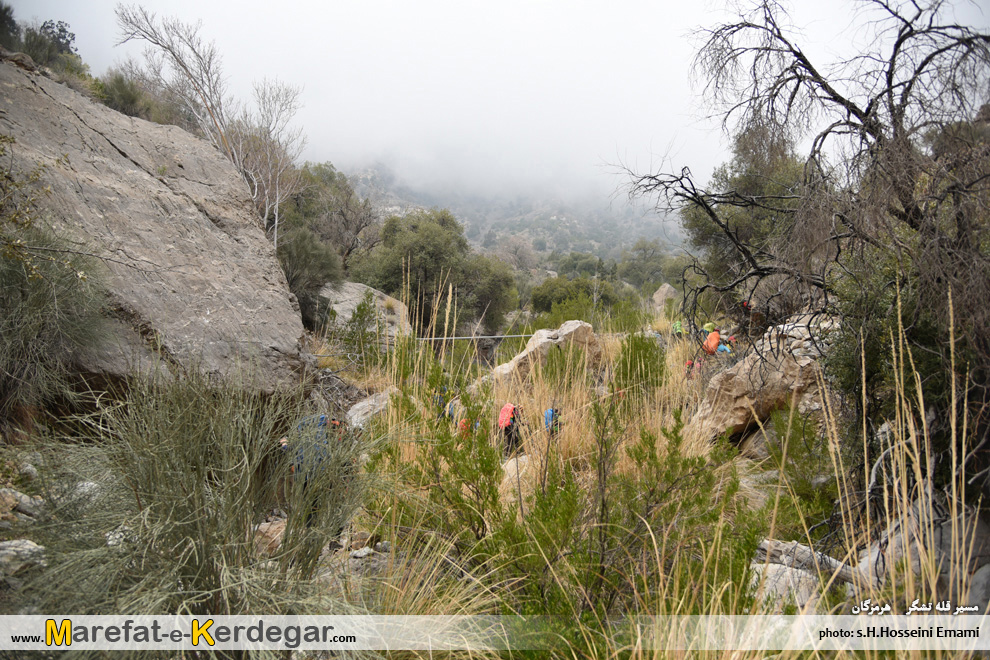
{"points": [[551, 421], [508, 426], [312, 455], [710, 346]]}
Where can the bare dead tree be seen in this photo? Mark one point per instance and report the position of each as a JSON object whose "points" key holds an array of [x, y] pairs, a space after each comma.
{"points": [[188, 67], [260, 141], [267, 147], [896, 185]]}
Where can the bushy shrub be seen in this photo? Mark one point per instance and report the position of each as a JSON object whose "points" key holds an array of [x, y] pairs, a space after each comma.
{"points": [[123, 94], [309, 265], [595, 539], [183, 470], [50, 297], [641, 363]]}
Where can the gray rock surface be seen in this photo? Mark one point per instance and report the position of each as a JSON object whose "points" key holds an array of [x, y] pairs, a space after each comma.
{"points": [[571, 334], [392, 314], [192, 277], [363, 411], [13, 500], [783, 370], [662, 295], [783, 585], [20, 554]]}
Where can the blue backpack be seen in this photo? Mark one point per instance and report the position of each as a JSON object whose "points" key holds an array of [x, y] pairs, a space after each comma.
{"points": [[312, 446]]}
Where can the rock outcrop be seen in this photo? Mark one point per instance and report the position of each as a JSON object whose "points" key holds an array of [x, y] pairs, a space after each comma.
{"points": [[955, 543], [577, 334], [391, 313], [365, 410], [18, 555], [782, 369], [662, 295], [193, 281]]}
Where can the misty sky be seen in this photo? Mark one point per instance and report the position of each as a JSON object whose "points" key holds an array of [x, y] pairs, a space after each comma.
{"points": [[497, 97]]}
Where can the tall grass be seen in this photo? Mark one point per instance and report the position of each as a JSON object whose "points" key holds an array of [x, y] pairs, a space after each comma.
{"points": [[180, 473], [620, 513]]}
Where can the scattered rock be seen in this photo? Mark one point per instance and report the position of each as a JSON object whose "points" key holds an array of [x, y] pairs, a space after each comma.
{"points": [[268, 537], [360, 540], [120, 536], [362, 553], [383, 546], [336, 391], [979, 589], [28, 472], [772, 377], [783, 585], [363, 411], [662, 295], [755, 445], [12, 500], [571, 334], [516, 477], [21, 554], [957, 545]]}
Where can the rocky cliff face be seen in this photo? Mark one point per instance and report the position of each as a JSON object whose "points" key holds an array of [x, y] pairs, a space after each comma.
{"points": [[191, 275]]}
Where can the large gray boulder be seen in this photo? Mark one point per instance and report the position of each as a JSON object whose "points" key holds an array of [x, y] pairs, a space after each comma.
{"points": [[193, 281], [662, 295], [571, 334], [781, 371], [391, 314]]}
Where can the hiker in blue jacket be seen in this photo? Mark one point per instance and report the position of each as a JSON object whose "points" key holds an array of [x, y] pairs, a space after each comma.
{"points": [[551, 421], [311, 456]]}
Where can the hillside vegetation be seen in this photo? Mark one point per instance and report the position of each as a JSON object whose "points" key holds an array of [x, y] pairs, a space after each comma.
{"points": [[831, 449]]}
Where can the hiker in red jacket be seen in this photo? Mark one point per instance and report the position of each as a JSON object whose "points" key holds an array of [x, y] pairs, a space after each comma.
{"points": [[508, 426], [711, 342]]}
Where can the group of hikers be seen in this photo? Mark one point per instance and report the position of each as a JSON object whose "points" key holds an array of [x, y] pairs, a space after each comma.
{"points": [[311, 451], [510, 425], [316, 448], [713, 343]]}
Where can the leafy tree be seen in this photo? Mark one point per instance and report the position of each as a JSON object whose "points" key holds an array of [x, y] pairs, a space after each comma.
{"points": [[60, 36], [643, 264], [428, 250], [327, 205], [578, 264], [556, 290], [51, 44], [309, 265], [491, 239], [9, 30], [763, 168]]}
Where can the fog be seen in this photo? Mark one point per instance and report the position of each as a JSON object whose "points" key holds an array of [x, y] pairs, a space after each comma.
{"points": [[542, 97]]}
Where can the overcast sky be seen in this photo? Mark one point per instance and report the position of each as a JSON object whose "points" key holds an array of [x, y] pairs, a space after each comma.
{"points": [[509, 96]]}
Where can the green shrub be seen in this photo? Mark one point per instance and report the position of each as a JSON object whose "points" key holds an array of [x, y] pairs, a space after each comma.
{"points": [[641, 363], [123, 94], [309, 265], [50, 297], [184, 469]]}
